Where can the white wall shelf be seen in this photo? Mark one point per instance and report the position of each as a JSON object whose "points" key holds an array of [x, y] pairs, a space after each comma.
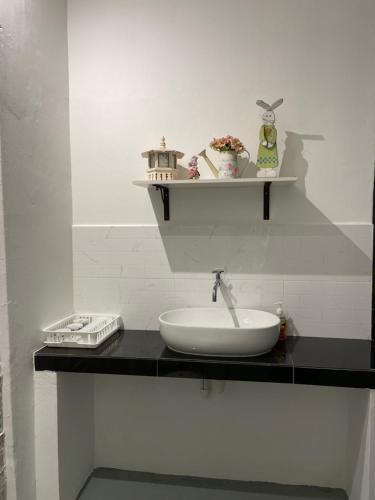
{"points": [[164, 187]]}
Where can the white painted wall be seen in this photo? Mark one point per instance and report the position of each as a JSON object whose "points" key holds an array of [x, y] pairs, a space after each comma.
{"points": [[75, 432], [191, 71], [361, 447], [194, 70], [64, 434], [241, 430], [46, 436], [360, 415], [8, 473], [122, 100], [372, 445], [37, 209]]}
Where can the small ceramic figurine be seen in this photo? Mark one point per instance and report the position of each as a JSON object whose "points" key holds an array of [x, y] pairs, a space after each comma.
{"points": [[193, 172], [267, 161]]}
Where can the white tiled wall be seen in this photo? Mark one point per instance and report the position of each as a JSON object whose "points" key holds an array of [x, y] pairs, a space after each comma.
{"points": [[321, 273]]}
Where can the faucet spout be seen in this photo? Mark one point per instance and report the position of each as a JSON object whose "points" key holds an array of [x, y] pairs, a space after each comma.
{"points": [[214, 292], [217, 283]]}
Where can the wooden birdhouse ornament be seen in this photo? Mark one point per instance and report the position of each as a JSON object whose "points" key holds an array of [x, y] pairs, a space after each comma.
{"points": [[162, 162]]}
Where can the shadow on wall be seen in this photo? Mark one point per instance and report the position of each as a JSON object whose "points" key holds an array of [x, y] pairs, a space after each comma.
{"points": [[224, 228], [293, 162]]}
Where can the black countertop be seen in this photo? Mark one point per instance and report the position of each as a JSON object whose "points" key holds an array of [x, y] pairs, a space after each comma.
{"points": [[299, 360]]}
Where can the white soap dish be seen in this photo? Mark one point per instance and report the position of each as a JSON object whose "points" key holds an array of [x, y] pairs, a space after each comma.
{"points": [[96, 328]]}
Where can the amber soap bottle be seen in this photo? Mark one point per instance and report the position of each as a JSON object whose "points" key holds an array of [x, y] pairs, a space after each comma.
{"points": [[283, 322]]}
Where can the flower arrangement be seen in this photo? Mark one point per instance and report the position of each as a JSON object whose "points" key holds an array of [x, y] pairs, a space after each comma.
{"points": [[227, 143]]}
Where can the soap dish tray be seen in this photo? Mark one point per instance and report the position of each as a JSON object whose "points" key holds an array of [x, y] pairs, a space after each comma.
{"points": [[98, 328]]}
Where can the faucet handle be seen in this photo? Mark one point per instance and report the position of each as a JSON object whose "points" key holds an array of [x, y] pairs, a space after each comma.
{"points": [[217, 272]]}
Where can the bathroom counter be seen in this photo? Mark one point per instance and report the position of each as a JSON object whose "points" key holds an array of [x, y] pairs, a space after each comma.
{"points": [[301, 360]]}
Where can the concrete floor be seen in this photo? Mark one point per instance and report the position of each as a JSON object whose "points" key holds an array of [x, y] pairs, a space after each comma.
{"points": [[125, 485]]}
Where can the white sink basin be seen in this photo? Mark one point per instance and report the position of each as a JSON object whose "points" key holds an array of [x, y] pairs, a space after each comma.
{"points": [[219, 331]]}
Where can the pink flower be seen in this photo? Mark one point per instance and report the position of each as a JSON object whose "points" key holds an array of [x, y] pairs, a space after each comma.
{"points": [[227, 143]]}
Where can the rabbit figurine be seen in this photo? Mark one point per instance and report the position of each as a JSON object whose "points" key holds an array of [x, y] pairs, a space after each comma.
{"points": [[267, 160]]}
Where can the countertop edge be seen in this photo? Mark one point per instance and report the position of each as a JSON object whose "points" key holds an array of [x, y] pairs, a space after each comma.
{"points": [[155, 360]]}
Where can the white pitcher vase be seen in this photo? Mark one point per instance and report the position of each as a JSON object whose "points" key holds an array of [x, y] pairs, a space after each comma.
{"points": [[228, 168]]}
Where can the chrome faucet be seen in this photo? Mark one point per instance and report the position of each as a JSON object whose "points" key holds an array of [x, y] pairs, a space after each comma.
{"points": [[217, 283]]}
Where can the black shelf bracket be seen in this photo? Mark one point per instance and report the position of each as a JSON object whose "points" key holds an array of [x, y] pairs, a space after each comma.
{"points": [[164, 192], [266, 200]]}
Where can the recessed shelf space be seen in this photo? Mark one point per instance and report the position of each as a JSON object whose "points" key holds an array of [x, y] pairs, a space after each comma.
{"points": [[165, 186]]}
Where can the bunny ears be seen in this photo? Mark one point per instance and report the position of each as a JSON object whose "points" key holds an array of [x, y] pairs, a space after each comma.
{"points": [[271, 107]]}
